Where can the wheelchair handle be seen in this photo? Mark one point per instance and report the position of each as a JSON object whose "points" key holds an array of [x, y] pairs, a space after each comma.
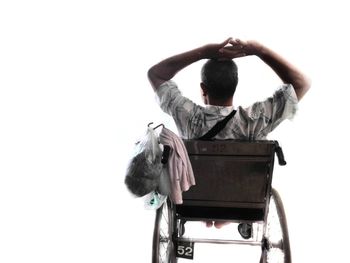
{"points": [[280, 155], [165, 155]]}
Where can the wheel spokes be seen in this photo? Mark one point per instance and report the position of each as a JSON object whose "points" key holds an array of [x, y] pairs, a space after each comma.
{"points": [[276, 236], [165, 230]]}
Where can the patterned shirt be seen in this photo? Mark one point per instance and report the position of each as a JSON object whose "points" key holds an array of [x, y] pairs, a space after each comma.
{"points": [[251, 123]]}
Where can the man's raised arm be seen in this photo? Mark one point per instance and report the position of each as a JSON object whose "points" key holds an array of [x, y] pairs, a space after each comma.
{"points": [[284, 69]]}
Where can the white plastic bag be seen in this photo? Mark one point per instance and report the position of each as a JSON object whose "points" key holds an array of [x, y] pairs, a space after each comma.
{"points": [[145, 167]]}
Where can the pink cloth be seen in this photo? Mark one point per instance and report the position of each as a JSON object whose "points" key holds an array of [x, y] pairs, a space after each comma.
{"points": [[179, 165]]}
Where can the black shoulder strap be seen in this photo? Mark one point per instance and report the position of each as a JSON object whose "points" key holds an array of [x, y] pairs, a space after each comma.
{"points": [[217, 127]]}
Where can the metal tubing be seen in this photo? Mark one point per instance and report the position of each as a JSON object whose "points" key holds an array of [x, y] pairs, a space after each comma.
{"points": [[220, 241]]}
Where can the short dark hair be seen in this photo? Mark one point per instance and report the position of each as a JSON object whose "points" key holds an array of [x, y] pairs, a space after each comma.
{"points": [[220, 78]]}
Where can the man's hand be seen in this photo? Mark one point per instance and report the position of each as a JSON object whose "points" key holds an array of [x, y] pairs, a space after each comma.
{"points": [[238, 48], [214, 51]]}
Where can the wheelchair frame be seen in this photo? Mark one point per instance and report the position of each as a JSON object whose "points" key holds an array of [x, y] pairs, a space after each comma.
{"points": [[233, 183]]}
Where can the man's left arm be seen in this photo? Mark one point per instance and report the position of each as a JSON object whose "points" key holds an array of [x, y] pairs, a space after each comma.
{"points": [[287, 72]]}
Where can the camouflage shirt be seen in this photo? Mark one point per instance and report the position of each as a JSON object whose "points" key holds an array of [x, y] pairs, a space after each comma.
{"points": [[251, 123]]}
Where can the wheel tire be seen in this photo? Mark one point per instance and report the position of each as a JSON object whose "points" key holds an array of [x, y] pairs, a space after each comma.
{"points": [[276, 246], [163, 246]]}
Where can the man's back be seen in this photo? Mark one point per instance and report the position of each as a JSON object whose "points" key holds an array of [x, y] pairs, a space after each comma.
{"points": [[251, 123]]}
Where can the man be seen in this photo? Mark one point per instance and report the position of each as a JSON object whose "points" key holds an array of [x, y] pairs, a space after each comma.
{"points": [[219, 81]]}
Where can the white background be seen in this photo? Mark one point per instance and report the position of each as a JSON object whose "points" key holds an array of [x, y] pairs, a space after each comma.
{"points": [[74, 97]]}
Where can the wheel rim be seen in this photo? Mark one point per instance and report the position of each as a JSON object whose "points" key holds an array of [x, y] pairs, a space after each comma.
{"points": [[163, 251], [276, 237]]}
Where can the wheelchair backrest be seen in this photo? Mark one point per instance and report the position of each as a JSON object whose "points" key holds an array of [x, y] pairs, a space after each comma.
{"points": [[230, 173]]}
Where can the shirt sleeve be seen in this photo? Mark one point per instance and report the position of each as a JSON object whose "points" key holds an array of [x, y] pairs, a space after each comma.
{"points": [[263, 117], [172, 102]]}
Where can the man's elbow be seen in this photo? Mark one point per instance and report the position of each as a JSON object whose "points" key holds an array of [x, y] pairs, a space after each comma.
{"points": [[150, 73], [304, 87], [307, 84], [154, 79]]}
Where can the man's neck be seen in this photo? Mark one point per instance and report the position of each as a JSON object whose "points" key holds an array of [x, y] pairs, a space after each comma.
{"points": [[217, 102]]}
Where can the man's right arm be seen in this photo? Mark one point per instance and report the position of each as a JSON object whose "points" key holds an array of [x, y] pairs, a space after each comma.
{"points": [[168, 68], [287, 72]]}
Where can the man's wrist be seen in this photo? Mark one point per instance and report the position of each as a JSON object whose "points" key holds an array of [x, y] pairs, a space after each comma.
{"points": [[257, 48], [202, 53]]}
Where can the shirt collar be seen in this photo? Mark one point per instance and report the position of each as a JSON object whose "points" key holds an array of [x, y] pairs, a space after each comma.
{"points": [[223, 110]]}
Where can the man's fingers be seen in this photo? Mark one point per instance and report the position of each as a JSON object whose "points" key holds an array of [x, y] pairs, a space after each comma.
{"points": [[226, 42], [237, 41], [232, 53], [234, 41], [240, 55], [236, 49], [233, 48]]}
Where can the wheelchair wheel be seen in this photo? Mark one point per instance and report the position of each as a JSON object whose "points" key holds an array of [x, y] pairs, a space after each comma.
{"points": [[276, 247], [163, 246]]}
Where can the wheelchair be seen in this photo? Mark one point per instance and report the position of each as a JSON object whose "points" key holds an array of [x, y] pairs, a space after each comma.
{"points": [[233, 183]]}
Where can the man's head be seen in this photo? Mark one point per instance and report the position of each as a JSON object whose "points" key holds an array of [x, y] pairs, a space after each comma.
{"points": [[219, 80]]}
